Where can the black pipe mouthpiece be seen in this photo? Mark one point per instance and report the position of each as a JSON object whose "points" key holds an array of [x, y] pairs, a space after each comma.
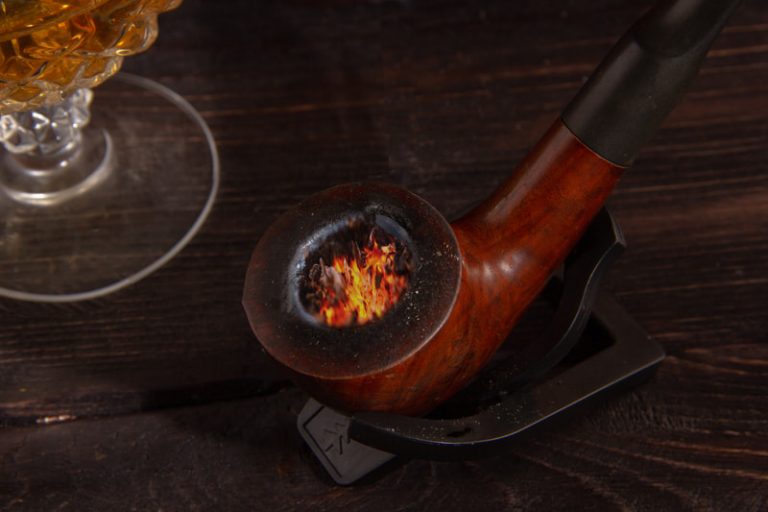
{"points": [[644, 76]]}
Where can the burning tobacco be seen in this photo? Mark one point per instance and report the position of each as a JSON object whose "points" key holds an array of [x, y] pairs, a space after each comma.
{"points": [[361, 282]]}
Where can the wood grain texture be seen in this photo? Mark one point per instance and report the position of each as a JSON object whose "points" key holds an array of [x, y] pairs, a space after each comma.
{"points": [[247, 455], [442, 97], [510, 244]]}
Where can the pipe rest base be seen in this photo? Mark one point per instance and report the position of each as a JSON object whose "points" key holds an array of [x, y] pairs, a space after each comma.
{"points": [[593, 350]]}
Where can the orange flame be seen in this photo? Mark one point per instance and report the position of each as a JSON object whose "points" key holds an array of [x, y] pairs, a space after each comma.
{"points": [[359, 288]]}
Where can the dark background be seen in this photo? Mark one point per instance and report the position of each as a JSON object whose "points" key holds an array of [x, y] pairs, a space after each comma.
{"points": [[166, 383]]}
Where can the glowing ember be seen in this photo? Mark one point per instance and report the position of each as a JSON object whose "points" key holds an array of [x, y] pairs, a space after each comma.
{"points": [[360, 286]]}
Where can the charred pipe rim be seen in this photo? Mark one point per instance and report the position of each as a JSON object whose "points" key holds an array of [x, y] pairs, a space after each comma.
{"points": [[279, 319]]}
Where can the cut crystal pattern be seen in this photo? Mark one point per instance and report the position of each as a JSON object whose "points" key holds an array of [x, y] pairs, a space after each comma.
{"points": [[48, 129], [45, 57]]}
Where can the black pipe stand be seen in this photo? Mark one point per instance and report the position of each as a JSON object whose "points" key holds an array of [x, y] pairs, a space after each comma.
{"points": [[591, 349]]}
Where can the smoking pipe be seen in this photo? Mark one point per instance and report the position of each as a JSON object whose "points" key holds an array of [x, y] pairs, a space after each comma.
{"points": [[473, 279]]}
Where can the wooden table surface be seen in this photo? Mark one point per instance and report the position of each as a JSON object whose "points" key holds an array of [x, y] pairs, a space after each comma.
{"points": [[156, 397]]}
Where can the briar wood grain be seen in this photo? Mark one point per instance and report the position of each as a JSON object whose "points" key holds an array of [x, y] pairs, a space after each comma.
{"points": [[443, 97], [510, 245]]}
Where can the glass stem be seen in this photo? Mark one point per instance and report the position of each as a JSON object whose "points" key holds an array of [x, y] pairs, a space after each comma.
{"points": [[49, 132], [47, 158]]}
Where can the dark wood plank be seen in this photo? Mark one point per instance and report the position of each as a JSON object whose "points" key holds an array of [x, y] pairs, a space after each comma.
{"points": [[248, 456], [302, 96], [443, 97]]}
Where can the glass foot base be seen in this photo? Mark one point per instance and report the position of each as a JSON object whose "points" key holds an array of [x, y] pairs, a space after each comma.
{"points": [[61, 180], [111, 228]]}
